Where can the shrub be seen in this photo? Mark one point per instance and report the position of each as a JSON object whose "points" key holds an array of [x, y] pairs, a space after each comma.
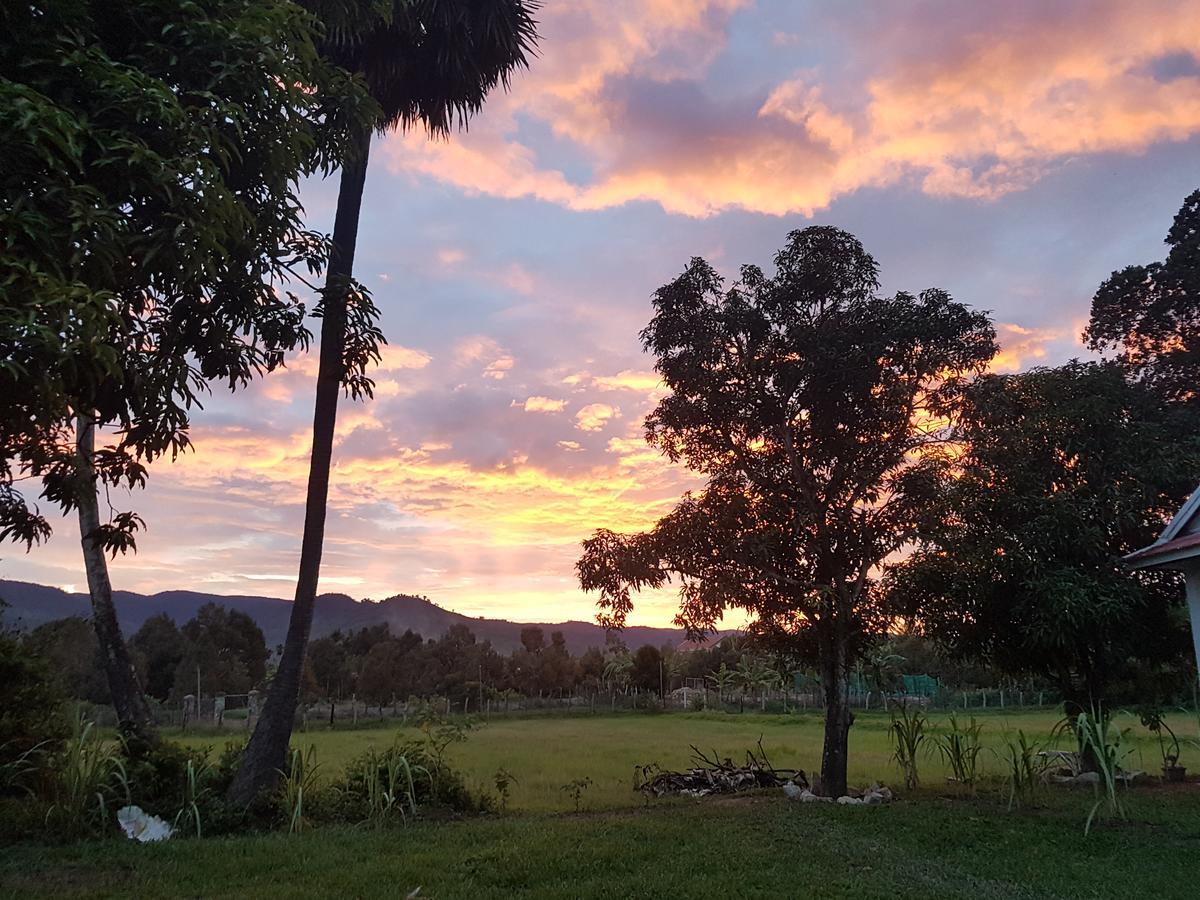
{"points": [[377, 785], [575, 790], [32, 719], [184, 786]]}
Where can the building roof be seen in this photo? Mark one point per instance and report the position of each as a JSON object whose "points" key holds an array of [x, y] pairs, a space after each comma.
{"points": [[1179, 541]]}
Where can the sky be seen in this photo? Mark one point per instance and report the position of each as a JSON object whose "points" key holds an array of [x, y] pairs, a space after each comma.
{"points": [[1011, 153]]}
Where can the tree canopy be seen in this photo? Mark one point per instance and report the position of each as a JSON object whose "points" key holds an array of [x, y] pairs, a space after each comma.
{"points": [[809, 402], [1151, 313], [1018, 561], [152, 231]]}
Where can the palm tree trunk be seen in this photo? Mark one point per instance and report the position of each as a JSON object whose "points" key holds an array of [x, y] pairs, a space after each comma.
{"points": [[266, 752], [129, 701]]}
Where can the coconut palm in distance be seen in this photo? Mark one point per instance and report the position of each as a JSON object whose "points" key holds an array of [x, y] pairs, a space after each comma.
{"points": [[427, 62]]}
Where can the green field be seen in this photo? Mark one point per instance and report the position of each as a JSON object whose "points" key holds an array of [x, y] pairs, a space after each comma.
{"points": [[935, 842], [544, 753]]}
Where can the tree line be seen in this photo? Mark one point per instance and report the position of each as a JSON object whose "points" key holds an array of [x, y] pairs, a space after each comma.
{"points": [[223, 652]]}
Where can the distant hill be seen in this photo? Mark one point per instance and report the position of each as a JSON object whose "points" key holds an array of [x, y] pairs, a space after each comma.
{"points": [[30, 605]]}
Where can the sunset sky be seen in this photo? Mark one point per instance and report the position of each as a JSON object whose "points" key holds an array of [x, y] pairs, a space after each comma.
{"points": [[1012, 153]]}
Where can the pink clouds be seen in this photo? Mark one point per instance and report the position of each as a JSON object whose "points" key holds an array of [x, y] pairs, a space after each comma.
{"points": [[960, 101]]}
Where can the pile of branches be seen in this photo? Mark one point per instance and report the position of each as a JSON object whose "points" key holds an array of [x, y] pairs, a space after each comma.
{"points": [[712, 775]]}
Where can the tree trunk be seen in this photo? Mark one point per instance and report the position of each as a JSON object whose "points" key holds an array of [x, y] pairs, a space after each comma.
{"points": [[267, 750], [838, 719], [129, 701]]}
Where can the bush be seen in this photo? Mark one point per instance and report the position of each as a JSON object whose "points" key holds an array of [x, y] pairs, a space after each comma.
{"points": [[405, 779], [184, 786], [33, 723]]}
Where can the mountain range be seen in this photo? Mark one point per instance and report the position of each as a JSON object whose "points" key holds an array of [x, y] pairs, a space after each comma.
{"points": [[30, 605]]}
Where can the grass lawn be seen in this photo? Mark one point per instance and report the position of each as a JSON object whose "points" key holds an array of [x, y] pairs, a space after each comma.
{"points": [[545, 753], [935, 842], [725, 848]]}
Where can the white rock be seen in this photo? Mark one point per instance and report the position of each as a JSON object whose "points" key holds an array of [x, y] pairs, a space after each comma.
{"points": [[850, 801], [794, 791]]}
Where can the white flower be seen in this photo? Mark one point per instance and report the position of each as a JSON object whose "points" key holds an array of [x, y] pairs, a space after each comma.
{"points": [[139, 825]]}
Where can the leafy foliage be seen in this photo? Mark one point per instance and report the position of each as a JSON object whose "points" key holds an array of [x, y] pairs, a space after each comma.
{"points": [[296, 785], [1061, 472], [32, 711], [427, 62], [394, 783], [1151, 313], [153, 236]]}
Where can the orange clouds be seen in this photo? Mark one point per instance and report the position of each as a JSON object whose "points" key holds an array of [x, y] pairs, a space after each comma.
{"points": [[595, 416], [1021, 347], [976, 105], [542, 404]]}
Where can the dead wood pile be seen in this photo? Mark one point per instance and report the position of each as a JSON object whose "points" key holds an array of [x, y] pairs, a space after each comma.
{"points": [[712, 775]]}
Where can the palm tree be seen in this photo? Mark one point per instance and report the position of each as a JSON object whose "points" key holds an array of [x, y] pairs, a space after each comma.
{"points": [[431, 62], [723, 679], [618, 669]]}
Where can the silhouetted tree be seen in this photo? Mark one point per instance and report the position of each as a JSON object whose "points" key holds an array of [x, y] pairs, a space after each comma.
{"points": [[73, 653], [806, 401], [158, 649], [1151, 313], [228, 648], [646, 668], [1018, 562], [424, 62]]}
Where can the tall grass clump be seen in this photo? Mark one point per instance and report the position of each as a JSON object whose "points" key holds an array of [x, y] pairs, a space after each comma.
{"points": [[960, 747], [195, 792], [392, 788], [1024, 768], [1106, 746], [907, 732], [87, 777], [297, 784]]}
